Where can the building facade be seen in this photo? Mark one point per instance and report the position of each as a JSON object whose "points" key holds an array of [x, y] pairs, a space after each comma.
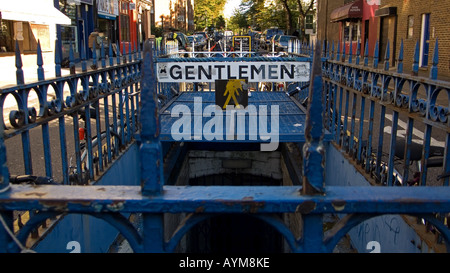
{"points": [[413, 21], [81, 14], [26, 22], [348, 22], [182, 15]]}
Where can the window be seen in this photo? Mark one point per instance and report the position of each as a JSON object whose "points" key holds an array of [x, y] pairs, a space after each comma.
{"points": [[410, 27], [352, 31]]}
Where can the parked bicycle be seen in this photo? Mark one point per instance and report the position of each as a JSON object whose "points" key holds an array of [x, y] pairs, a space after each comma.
{"points": [[112, 141]]}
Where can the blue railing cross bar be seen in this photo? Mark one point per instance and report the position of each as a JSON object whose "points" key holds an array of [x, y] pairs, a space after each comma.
{"points": [[226, 199], [360, 203]]}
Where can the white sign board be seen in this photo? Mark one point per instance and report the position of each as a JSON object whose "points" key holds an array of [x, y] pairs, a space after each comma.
{"points": [[252, 71]]}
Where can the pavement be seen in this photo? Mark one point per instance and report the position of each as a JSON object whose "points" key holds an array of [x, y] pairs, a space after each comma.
{"points": [[8, 74], [8, 68]]}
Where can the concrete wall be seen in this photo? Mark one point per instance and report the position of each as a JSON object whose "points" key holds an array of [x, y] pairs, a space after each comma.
{"points": [[94, 235], [393, 232]]}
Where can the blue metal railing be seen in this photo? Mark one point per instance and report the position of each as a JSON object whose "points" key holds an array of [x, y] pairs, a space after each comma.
{"points": [[153, 198], [393, 97]]}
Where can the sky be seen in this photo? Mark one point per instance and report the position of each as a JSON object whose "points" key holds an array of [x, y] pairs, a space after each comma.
{"points": [[162, 7], [230, 6]]}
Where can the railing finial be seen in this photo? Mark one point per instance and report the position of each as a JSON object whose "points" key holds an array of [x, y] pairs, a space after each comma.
{"points": [[376, 55], [40, 62], [19, 72], [366, 53], [434, 68]]}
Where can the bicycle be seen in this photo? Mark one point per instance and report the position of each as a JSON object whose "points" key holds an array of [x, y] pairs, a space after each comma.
{"points": [[112, 141]]}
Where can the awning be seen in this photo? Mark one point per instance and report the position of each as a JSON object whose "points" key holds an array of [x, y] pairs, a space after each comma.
{"points": [[386, 11], [349, 11], [38, 12]]}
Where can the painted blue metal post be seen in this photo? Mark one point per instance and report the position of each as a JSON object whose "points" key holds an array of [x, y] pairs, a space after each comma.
{"points": [[152, 179], [313, 150]]}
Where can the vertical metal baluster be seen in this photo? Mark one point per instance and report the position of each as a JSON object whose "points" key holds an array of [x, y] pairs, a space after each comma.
{"points": [[425, 154], [387, 55], [94, 56], [339, 117], [352, 125], [99, 134], [358, 52], [370, 135], [380, 138], [313, 149], [395, 115], [400, 59], [110, 53], [361, 128], [24, 99], [83, 59], [127, 113], [151, 150], [102, 54], [407, 152], [118, 52], [71, 60], [76, 127], [121, 115], [391, 165], [45, 127], [350, 53], [334, 117], [108, 129], [88, 139], [415, 66]]}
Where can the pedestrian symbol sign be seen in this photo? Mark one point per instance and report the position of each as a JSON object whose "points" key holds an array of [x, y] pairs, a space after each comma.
{"points": [[232, 93]]}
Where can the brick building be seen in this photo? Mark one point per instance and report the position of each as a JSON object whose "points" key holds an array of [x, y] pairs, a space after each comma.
{"points": [[348, 21], [417, 21]]}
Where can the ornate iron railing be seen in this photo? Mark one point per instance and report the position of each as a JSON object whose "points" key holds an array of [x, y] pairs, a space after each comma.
{"points": [[153, 198]]}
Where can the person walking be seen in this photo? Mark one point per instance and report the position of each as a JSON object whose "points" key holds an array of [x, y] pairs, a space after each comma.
{"points": [[94, 37]]}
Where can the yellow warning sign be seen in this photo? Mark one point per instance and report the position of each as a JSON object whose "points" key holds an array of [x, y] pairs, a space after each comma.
{"points": [[231, 91]]}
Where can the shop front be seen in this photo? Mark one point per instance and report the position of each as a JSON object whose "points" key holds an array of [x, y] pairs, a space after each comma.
{"points": [[128, 24], [27, 23], [107, 12], [76, 34], [357, 24]]}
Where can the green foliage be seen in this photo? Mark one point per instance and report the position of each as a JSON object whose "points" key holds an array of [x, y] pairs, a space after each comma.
{"points": [[263, 14], [208, 12]]}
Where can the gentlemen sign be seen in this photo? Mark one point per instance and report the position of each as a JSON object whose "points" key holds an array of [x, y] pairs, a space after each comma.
{"points": [[250, 71]]}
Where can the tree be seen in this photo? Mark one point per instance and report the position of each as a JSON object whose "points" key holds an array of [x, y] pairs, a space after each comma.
{"points": [[304, 8], [206, 12], [288, 16]]}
